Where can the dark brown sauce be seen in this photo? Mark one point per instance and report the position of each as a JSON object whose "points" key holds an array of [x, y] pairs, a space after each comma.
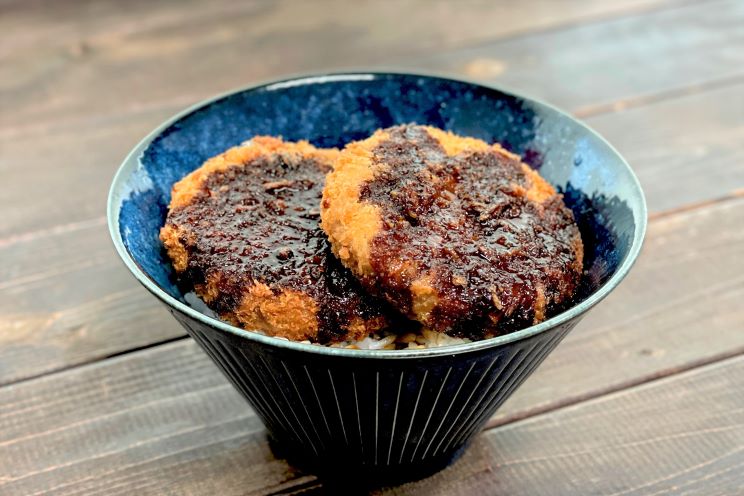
{"points": [[463, 220], [261, 222]]}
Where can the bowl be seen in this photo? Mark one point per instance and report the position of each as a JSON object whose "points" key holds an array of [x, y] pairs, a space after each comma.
{"points": [[382, 414]]}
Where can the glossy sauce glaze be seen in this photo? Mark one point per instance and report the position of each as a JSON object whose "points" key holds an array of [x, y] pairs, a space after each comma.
{"points": [[497, 260]]}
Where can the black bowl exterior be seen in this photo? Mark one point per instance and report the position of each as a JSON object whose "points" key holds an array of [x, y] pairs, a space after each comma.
{"points": [[376, 417]]}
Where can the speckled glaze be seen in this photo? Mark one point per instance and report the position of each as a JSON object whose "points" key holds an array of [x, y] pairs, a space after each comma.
{"points": [[382, 414]]}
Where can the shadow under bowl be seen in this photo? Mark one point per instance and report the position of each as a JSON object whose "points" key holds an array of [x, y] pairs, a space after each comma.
{"points": [[378, 413]]}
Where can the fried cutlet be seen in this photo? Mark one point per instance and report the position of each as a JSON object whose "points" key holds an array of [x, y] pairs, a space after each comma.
{"points": [[453, 232], [243, 229]]}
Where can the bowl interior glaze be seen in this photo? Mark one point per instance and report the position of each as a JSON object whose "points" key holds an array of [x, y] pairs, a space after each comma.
{"points": [[332, 110]]}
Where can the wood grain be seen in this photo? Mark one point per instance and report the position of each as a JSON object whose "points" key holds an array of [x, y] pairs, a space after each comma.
{"points": [[129, 424], [612, 61], [67, 299], [684, 150], [80, 137], [177, 52], [69, 173], [157, 415], [164, 418]]}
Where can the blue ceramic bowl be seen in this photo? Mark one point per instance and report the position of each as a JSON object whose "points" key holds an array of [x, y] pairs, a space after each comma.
{"points": [[376, 412]]}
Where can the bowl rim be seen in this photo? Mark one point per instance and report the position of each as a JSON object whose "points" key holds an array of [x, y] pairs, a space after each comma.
{"points": [[131, 162]]}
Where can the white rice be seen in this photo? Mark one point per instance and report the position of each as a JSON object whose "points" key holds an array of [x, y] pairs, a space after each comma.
{"points": [[424, 338]]}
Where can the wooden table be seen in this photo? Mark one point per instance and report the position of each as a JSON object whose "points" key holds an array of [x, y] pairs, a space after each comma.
{"points": [[102, 393]]}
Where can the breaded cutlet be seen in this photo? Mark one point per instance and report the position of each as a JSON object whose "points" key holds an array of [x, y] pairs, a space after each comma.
{"points": [[243, 229], [454, 232]]}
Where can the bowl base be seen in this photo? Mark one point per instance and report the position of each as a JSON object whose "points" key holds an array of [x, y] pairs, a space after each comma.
{"points": [[348, 476]]}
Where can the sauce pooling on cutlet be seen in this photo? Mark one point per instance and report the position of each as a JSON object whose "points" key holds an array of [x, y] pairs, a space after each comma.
{"points": [[260, 222], [494, 256]]}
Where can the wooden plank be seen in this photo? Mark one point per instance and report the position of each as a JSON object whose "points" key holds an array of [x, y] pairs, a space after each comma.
{"points": [[679, 318], [164, 417], [48, 294], [684, 150], [66, 307], [85, 166], [681, 435], [157, 52], [615, 60], [127, 416], [63, 176]]}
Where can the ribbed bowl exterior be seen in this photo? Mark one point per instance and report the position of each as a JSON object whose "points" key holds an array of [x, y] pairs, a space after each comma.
{"points": [[373, 415]]}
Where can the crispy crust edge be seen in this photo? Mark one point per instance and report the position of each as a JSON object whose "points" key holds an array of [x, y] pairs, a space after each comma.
{"points": [[350, 223]]}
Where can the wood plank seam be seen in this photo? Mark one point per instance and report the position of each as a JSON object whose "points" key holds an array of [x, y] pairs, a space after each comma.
{"points": [[656, 97], [630, 13], [94, 361], [640, 381], [691, 207]]}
